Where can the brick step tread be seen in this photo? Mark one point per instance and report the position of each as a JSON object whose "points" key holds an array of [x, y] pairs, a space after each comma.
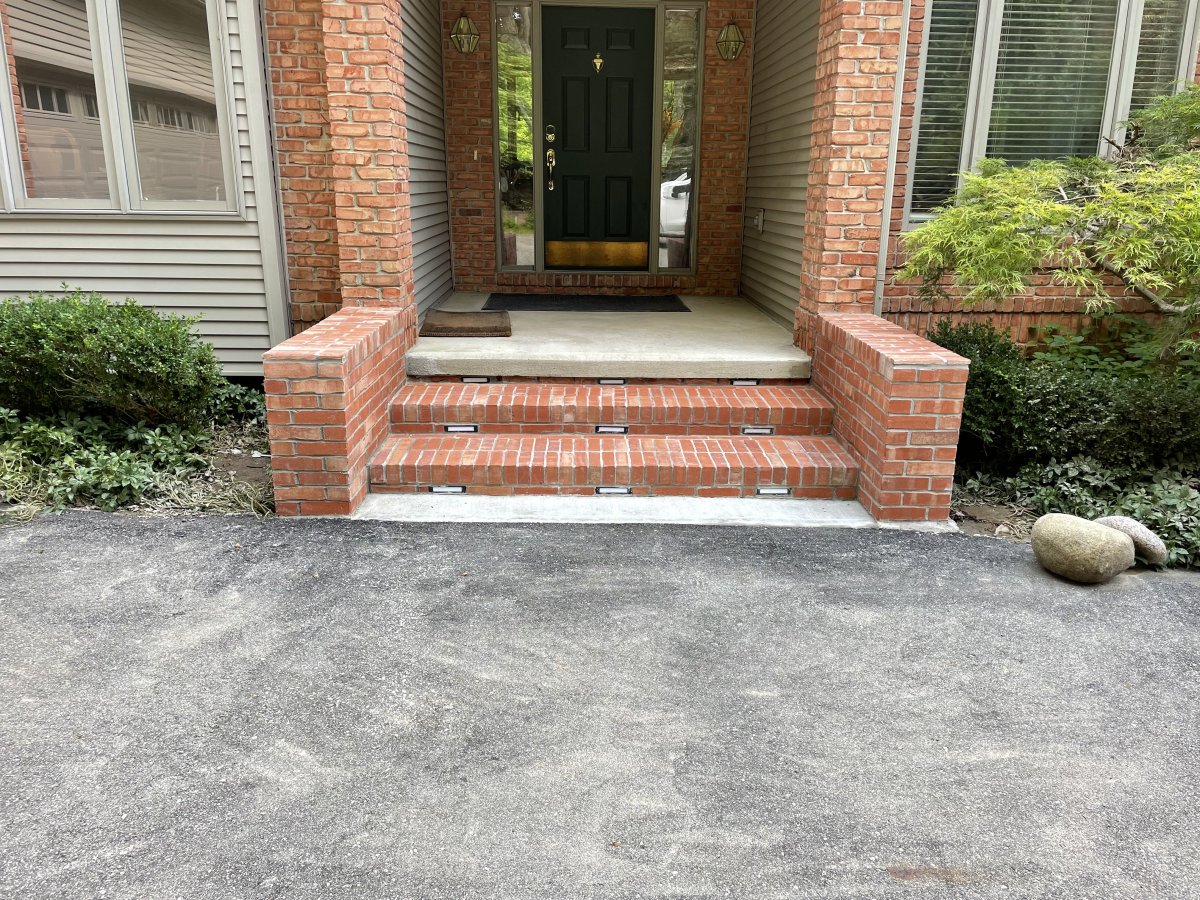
{"points": [[813, 466], [794, 408]]}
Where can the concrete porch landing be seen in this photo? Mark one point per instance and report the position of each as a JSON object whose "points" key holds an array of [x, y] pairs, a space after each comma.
{"points": [[720, 338]]}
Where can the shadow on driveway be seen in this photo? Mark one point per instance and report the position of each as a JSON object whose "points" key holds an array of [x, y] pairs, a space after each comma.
{"points": [[222, 708]]}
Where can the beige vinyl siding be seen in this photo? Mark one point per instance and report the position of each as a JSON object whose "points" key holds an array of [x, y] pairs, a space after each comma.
{"points": [[780, 141], [226, 269], [433, 271]]}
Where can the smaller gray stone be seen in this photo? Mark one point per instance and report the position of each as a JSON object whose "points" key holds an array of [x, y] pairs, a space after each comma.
{"points": [[1080, 550], [1148, 545]]}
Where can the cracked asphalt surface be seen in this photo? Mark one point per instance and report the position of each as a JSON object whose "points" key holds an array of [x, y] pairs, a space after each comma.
{"points": [[225, 708]]}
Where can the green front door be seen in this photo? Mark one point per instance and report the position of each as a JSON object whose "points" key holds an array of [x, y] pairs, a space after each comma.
{"points": [[598, 100]]}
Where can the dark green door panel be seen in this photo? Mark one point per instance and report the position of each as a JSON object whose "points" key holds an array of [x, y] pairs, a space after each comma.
{"points": [[598, 215]]}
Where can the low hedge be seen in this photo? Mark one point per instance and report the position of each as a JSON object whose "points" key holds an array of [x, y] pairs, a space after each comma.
{"points": [[1058, 406], [80, 354]]}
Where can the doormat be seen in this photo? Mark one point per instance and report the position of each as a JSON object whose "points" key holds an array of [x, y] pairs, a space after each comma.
{"points": [[444, 323], [585, 303]]}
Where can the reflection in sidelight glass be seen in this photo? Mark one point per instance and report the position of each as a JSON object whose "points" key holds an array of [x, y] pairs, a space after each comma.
{"points": [[680, 129], [514, 104], [58, 124], [176, 128]]}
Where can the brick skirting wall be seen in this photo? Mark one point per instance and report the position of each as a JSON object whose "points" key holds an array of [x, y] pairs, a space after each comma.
{"points": [[898, 409], [328, 395]]}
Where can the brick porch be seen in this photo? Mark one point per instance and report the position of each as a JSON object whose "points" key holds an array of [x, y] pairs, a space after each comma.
{"points": [[879, 420]]}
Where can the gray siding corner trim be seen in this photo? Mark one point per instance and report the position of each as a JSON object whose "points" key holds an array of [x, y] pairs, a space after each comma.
{"points": [[783, 92]]}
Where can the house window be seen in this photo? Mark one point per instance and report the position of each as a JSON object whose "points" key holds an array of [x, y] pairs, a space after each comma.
{"points": [[170, 117], [43, 98], [70, 145], [61, 158], [1038, 79]]}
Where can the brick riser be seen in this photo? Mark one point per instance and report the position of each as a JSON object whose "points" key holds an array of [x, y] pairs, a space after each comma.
{"points": [[813, 467], [424, 408]]}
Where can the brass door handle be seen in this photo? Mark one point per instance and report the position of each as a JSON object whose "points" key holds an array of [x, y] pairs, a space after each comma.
{"points": [[551, 162]]}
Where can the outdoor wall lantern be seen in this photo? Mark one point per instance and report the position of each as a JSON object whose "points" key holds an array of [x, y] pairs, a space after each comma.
{"points": [[731, 42], [465, 35]]}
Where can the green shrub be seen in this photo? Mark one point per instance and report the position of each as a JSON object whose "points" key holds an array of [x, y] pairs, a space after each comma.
{"points": [[1073, 399], [1166, 500], [80, 354], [68, 460], [994, 391]]}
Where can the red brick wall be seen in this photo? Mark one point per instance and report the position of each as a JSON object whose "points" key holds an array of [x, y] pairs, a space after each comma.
{"points": [[470, 142], [364, 75], [1022, 317], [898, 409], [328, 396], [337, 82], [296, 49], [858, 52]]}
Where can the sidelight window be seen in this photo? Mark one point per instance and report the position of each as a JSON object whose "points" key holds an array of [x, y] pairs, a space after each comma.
{"points": [[514, 99], [680, 137]]}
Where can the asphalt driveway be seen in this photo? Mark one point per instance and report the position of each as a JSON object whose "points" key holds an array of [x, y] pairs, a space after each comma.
{"points": [[221, 708]]}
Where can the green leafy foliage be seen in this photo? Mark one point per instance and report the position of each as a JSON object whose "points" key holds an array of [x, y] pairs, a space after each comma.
{"points": [[1170, 125], [1167, 500], [1074, 398], [68, 460], [1137, 216], [231, 404], [80, 354]]}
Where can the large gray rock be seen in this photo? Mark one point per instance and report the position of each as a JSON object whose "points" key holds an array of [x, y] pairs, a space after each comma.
{"points": [[1146, 543], [1080, 550]]}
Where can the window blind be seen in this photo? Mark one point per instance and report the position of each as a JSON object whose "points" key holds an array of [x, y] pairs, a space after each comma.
{"points": [[1050, 63], [951, 47], [1159, 49], [1052, 73]]}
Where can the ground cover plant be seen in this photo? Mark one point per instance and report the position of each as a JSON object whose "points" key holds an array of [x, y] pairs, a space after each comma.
{"points": [[115, 406], [1082, 425]]}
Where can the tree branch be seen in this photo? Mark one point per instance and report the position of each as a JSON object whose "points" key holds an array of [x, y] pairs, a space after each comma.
{"points": [[1146, 294]]}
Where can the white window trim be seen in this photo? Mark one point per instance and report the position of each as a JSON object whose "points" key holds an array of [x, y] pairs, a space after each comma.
{"points": [[116, 126], [983, 76]]}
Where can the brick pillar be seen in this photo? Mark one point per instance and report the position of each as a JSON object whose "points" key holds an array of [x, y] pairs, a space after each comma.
{"points": [[296, 49], [367, 128], [470, 147], [857, 55]]}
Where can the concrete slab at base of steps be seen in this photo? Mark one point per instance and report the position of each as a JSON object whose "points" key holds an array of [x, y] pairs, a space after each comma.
{"points": [[764, 513]]}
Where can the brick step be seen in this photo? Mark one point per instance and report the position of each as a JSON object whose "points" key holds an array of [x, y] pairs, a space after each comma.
{"points": [[812, 467], [423, 407]]}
